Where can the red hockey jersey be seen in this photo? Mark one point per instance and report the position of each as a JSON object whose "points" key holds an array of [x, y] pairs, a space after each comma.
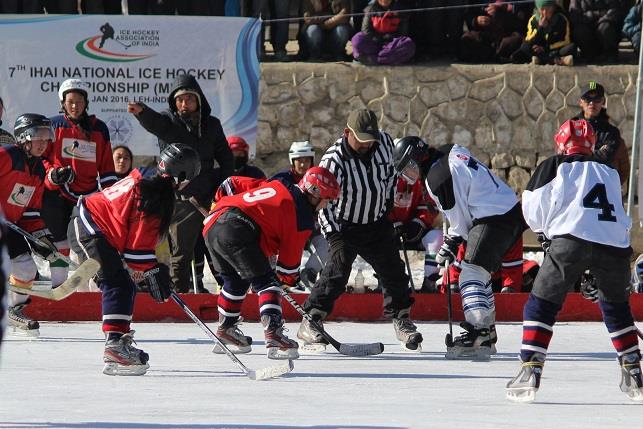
{"points": [[283, 215], [412, 202], [90, 156], [114, 214], [236, 184], [21, 188]]}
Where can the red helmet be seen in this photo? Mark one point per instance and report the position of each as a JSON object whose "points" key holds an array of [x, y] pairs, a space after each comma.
{"points": [[575, 137], [320, 183], [238, 143]]}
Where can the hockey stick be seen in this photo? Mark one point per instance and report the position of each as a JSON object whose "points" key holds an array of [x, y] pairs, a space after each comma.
{"points": [[81, 275], [345, 349], [37, 241], [448, 340], [260, 374], [406, 259]]}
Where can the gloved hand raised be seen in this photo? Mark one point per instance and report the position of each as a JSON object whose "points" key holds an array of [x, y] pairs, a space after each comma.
{"points": [[48, 250], [61, 175], [449, 249], [158, 282]]}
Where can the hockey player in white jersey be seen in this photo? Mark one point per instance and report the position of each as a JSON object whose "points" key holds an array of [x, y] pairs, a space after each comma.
{"points": [[573, 202], [482, 210]]}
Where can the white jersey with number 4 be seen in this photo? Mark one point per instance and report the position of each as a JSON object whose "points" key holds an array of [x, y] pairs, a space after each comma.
{"points": [[576, 195]]}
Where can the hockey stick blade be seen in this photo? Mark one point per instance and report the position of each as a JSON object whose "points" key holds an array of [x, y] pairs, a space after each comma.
{"points": [[80, 276], [260, 374], [356, 350]]}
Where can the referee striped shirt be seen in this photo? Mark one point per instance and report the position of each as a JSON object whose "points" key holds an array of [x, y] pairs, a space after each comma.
{"points": [[366, 186]]}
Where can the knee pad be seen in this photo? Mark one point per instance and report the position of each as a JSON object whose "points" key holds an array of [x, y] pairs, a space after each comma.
{"points": [[23, 270], [477, 297]]}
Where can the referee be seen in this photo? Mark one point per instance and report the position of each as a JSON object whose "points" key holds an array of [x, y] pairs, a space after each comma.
{"points": [[356, 224]]}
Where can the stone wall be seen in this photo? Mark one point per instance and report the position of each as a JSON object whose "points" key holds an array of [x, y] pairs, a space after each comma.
{"points": [[505, 114]]}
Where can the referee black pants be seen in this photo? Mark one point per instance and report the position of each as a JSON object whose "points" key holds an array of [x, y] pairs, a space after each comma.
{"points": [[377, 244]]}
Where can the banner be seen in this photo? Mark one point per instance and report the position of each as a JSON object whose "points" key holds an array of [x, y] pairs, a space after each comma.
{"points": [[131, 58]]}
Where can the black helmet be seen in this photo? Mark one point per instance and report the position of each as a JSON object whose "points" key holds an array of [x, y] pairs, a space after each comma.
{"points": [[32, 126], [409, 148], [180, 161]]}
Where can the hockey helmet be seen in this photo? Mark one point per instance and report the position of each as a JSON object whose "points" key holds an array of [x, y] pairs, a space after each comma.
{"points": [[408, 155], [575, 137], [72, 85], [321, 183], [301, 150], [32, 126], [238, 143], [179, 161]]}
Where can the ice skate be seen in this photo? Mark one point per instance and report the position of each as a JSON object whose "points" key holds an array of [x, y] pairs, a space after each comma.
{"points": [[233, 338], [122, 358], [631, 381], [311, 340], [406, 332], [278, 344], [20, 324], [472, 344], [493, 336], [523, 387]]}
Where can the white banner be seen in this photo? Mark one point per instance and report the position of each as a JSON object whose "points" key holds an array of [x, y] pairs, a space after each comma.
{"points": [[131, 58]]}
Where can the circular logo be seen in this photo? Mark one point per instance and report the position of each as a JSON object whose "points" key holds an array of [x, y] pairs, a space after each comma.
{"points": [[120, 130]]}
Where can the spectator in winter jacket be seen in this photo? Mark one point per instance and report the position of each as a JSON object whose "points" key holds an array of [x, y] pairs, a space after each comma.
{"points": [[496, 31], [548, 39], [6, 138], [384, 36], [241, 151], [188, 121], [597, 28], [632, 26], [326, 28], [610, 146]]}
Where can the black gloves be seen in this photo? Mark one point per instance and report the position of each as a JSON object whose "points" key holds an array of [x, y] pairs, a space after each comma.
{"points": [[448, 250], [158, 282], [61, 175], [410, 231], [588, 287], [544, 241], [48, 250]]}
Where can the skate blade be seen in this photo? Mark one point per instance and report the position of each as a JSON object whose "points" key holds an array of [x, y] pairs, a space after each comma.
{"points": [[635, 395], [493, 349], [25, 333], [406, 348], [521, 394], [480, 355], [233, 348], [113, 368], [311, 348], [277, 354]]}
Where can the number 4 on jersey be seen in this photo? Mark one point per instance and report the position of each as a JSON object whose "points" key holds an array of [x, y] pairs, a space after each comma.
{"points": [[596, 198]]}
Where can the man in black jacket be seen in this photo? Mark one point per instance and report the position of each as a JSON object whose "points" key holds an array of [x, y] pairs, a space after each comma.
{"points": [[188, 121]]}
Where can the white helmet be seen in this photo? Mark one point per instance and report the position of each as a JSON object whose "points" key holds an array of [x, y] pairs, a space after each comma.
{"points": [[301, 150], [72, 85]]}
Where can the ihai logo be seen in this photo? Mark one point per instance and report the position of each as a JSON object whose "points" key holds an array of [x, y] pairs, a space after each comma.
{"points": [[106, 47]]}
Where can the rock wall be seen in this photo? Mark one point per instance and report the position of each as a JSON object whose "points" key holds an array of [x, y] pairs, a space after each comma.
{"points": [[505, 114]]}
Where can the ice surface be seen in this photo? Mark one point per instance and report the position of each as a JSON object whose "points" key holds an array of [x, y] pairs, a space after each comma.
{"points": [[56, 382]]}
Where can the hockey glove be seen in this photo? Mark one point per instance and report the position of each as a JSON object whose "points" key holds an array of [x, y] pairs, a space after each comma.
{"points": [[61, 175], [448, 250], [413, 231], [545, 242], [48, 250], [588, 287], [158, 282]]}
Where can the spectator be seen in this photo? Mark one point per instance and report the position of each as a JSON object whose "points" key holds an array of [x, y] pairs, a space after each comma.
{"points": [[62, 6], [21, 188], [610, 146], [495, 32], [278, 10], [6, 138], [123, 158], [78, 163], [548, 39], [439, 30], [358, 13], [632, 27], [597, 28], [187, 120], [241, 151], [357, 224], [326, 29], [384, 36], [106, 7]]}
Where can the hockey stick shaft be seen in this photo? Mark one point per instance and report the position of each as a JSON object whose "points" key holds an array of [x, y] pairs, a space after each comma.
{"points": [[37, 241], [406, 260], [347, 349], [261, 374], [445, 230]]}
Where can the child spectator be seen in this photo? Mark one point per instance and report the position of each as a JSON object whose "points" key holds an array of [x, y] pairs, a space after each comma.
{"points": [[326, 28], [122, 161], [384, 36]]}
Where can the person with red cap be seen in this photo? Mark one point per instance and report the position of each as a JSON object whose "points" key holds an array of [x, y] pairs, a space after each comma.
{"points": [[573, 202], [241, 152]]}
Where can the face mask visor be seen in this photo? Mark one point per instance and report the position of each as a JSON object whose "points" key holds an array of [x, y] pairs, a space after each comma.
{"points": [[39, 133], [410, 172]]}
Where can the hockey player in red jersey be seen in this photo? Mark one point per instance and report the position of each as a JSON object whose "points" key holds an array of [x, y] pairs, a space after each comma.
{"points": [[21, 188], [243, 231], [573, 202], [80, 154], [123, 223]]}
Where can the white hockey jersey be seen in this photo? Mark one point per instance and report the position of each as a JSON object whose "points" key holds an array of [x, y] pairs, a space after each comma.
{"points": [[466, 191], [576, 195]]}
